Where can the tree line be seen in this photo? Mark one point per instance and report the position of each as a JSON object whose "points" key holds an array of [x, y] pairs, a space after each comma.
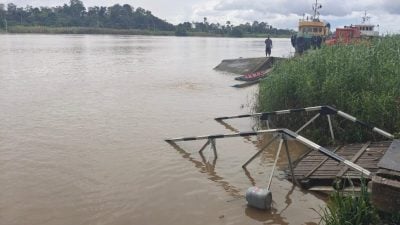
{"points": [[75, 14], [227, 29]]}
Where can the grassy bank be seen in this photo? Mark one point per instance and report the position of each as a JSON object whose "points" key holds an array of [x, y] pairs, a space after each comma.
{"points": [[362, 80], [355, 209]]}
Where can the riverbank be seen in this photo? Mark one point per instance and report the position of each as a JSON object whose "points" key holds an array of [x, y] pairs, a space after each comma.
{"points": [[82, 30], [362, 79], [98, 30]]}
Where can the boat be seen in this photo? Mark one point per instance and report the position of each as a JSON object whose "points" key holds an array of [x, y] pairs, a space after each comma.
{"points": [[366, 29], [311, 31], [248, 83], [251, 76], [354, 33]]}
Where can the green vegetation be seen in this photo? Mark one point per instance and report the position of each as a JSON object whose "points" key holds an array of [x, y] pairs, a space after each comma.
{"points": [[256, 29], [117, 19], [351, 209], [76, 15], [84, 30], [362, 80]]}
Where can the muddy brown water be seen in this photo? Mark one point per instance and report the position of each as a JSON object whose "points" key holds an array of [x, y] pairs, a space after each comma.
{"points": [[82, 124]]}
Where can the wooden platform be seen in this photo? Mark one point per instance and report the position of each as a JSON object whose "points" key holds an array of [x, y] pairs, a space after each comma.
{"points": [[315, 170]]}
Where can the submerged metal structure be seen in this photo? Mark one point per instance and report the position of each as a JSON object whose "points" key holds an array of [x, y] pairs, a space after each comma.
{"points": [[262, 198]]}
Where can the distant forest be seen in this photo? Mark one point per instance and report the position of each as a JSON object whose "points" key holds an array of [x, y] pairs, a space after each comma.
{"points": [[123, 17]]}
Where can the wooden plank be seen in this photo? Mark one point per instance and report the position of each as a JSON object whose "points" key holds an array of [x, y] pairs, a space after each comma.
{"points": [[323, 167], [354, 159], [387, 173], [330, 189], [320, 171]]}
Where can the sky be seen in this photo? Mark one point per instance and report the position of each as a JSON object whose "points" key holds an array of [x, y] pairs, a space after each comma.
{"points": [[278, 13]]}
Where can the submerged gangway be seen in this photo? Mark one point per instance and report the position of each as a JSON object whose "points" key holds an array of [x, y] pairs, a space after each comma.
{"points": [[314, 170], [346, 163]]}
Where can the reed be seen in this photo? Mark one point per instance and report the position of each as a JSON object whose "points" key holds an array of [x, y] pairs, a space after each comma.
{"points": [[350, 209], [362, 80]]}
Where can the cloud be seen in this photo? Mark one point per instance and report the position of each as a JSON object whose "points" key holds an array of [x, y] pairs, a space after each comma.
{"points": [[285, 13], [278, 13], [391, 6]]}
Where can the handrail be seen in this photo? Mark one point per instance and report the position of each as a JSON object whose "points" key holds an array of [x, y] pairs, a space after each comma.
{"points": [[323, 110], [285, 133]]}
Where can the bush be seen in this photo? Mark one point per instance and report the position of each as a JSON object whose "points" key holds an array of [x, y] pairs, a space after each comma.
{"points": [[362, 80]]}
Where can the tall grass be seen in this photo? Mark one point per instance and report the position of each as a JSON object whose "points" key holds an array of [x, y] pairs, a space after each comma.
{"points": [[362, 80], [350, 209]]}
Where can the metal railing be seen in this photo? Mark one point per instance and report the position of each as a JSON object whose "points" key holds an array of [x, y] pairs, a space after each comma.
{"points": [[322, 110], [284, 134]]}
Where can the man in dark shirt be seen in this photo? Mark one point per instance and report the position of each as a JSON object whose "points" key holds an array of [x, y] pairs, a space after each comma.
{"points": [[268, 46]]}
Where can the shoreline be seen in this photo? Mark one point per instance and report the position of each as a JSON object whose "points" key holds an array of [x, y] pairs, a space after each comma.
{"points": [[112, 31]]}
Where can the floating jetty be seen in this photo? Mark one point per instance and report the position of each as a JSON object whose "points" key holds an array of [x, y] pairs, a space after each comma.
{"points": [[323, 168], [317, 172]]}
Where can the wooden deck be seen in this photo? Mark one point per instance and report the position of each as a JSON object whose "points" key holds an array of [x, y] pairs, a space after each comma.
{"points": [[315, 170]]}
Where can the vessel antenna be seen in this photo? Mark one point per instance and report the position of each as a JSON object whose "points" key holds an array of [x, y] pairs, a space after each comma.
{"points": [[365, 18], [316, 7]]}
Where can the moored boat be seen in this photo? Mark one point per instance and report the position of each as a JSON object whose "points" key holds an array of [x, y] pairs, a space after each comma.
{"points": [[354, 33], [366, 28], [311, 31], [251, 76]]}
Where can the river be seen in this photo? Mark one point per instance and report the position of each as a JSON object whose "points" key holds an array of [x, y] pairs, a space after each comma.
{"points": [[82, 127]]}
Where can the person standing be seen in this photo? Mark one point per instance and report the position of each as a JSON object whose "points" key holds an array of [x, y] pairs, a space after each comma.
{"points": [[268, 46]]}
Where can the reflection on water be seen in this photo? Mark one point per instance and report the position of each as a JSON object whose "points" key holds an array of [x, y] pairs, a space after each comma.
{"points": [[83, 122], [271, 217], [205, 166]]}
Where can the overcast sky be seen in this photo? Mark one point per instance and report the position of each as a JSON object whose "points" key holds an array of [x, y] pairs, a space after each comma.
{"points": [[278, 13]]}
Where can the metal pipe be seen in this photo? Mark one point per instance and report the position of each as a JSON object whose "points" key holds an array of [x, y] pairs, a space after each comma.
{"points": [[355, 120], [294, 181], [216, 136], [346, 116], [322, 109], [238, 116], [330, 127], [382, 132], [280, 112], [214, 148], [308, 123], [258, 153], [275, 162], [254, 156], [204, 146]]}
